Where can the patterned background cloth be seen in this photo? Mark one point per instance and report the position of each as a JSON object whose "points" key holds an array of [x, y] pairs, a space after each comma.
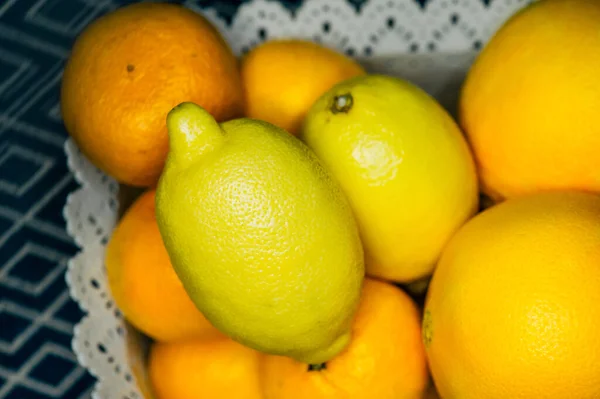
{"points": [[36, 314]]}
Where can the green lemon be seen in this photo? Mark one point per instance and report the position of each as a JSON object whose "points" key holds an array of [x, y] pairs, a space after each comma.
{"points": [[260, 234]]}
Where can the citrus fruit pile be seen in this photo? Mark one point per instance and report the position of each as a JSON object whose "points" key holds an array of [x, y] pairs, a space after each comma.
{"points": [[307, 229]]}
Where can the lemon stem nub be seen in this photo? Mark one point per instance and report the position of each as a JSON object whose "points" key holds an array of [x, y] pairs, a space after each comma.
{"points": [[342, 103], [192, 132], [317, 367]]}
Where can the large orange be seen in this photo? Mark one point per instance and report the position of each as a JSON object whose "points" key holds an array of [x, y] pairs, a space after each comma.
{"points": [[385, 359], [283, 78], [218, 368], [143, 282], [530, 103], [125, 73], [512, 309]]}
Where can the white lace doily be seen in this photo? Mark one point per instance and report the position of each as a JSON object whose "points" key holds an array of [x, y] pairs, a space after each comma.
{"points": [[431, 46]]}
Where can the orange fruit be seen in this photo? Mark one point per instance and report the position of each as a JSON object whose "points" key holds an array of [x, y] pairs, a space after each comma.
{"points": [[217, 368], [529, 106], [512, 309], [385, 358], [143, 282], [128, 69], [283, 78]]}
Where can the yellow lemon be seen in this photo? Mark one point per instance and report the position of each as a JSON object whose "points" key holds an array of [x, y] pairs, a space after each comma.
{"points": [[404, 165]]}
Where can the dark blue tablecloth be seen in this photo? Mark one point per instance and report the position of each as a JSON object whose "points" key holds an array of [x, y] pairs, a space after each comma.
{"points": [[36, 314]]}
